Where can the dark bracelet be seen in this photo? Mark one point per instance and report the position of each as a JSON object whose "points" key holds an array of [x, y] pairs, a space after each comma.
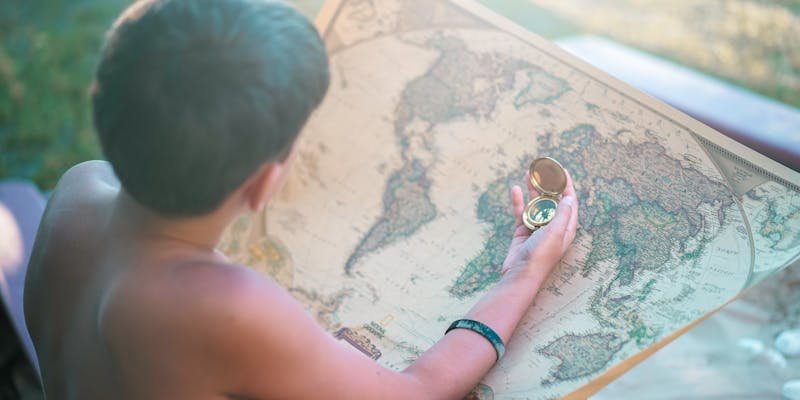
{"points": [[482, 330]]}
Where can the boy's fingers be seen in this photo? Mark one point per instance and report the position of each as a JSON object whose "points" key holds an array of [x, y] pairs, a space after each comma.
{"points": [[517, 202], [569, 189], [517, 205]]}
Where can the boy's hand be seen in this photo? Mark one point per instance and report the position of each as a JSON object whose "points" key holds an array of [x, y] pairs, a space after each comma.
{"points": [[535, 255]]}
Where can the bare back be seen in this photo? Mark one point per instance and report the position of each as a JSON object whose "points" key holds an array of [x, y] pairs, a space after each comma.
{"points": [[101, 311]]}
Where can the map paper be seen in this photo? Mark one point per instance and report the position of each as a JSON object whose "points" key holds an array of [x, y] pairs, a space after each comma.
{"points": [[396, 216]]}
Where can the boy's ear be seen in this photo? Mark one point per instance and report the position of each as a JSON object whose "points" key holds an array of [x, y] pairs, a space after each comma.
{"points": [[262, 184]]}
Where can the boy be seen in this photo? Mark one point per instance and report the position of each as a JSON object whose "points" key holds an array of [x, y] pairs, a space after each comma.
{"points": [[197, 104]]}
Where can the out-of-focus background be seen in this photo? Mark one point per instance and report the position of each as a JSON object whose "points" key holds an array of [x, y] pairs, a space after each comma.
{"points": [[48, 50]]}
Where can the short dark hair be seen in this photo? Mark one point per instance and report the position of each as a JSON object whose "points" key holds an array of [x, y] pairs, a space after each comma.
{"points": [[193, 96]]}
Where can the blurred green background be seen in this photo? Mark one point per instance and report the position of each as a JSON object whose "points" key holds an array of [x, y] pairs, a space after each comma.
{"points": [[49, 49]]}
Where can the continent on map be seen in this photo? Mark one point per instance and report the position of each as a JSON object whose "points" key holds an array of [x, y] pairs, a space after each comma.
{"points": [[581, 355], [459, 84], [406, 207], [640, 201], [270, 256], [323, 308], [374, 19], [780, 224], [247, 243], [640, 207], [483, 270], [542, 88]]}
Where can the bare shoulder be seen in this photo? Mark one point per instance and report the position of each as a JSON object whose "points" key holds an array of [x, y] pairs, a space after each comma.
{"points": [[243, 311], [230, 293], [80, 200], [203, 294], [228, 330], [72, 220], [84, 181], [210, 316], [75, 210], [98, 169]]}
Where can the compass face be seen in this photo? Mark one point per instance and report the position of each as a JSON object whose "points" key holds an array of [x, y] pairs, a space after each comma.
{"points": [[539, 212]]}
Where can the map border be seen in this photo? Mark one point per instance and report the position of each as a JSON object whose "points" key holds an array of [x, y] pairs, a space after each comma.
{"points": [[706, 137]]}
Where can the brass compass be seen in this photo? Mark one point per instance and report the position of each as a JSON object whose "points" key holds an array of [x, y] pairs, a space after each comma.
{"points": [[549, 179]]}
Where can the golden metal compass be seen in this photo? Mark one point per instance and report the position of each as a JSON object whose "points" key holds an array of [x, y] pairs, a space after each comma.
{"points": [[549, 179]]}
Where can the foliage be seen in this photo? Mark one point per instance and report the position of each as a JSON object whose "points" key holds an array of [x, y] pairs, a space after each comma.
{"points": [[49, 49]]}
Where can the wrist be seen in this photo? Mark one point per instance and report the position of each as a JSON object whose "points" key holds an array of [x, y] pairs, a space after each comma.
{"points": [[528, 274], [504, 305]]}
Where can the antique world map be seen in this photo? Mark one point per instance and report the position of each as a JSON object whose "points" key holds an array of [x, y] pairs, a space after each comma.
{"points": [[396, 216]]}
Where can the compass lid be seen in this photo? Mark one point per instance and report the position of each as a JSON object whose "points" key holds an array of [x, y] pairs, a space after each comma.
{"points": [[548, 176]]}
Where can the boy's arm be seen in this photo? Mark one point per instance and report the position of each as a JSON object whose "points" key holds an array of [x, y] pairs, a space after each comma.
{"points": [[81, 194], [272, 348]]}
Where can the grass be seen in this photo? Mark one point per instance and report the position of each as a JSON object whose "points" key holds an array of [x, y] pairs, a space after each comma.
{"points": [[48, 50], [48, 53]]}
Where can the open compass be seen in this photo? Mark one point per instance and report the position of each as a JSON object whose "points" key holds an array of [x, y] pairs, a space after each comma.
{"points": [[549, 179]]}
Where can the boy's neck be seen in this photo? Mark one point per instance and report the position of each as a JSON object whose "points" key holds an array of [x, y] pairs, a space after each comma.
{"points": [[201, 232]]}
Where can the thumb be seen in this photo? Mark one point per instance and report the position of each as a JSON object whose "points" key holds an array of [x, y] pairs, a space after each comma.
{"points": [[563, 212]]}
